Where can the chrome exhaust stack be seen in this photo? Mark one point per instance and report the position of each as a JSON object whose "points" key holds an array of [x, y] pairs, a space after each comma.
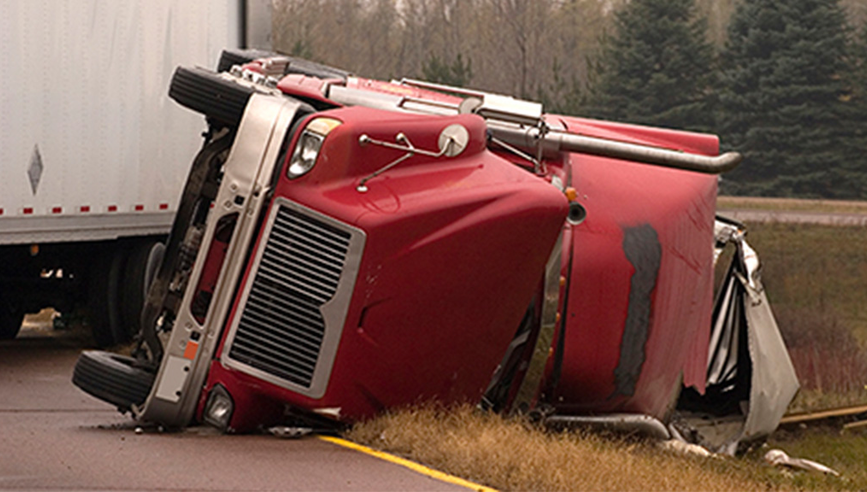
{"points": [[520, 126], [533, 140]]}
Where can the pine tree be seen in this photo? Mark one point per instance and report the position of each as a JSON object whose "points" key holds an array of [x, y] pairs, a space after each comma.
{"points": [[782, 85], [855, 112], [655, 68], [457, 74]]}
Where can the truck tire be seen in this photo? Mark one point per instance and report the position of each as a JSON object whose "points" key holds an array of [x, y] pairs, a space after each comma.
{"points": [[10, 322], [230, 58], [205, 92], [144, 258], [104, 297], [113, 378]]}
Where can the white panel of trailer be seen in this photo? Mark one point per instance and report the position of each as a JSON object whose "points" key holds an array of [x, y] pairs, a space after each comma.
{"points": [[84, 86]]}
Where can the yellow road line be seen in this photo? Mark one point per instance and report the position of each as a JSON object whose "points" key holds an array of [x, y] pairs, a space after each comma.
{"points": [[445, 477]]}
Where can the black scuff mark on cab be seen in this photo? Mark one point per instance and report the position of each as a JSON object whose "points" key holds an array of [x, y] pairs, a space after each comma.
{"points": [[642, 249]]}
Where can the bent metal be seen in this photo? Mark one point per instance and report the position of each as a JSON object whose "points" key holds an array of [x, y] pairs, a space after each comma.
{"points": [[345, 246]]}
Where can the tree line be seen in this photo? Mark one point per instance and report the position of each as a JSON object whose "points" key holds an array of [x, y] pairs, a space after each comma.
{"points": [[782, 81]]}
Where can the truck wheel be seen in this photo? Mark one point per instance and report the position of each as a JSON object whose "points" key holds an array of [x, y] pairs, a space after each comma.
{"points": [[104, 298], [206, 92], [230, 58], [141, 265], [113, 378], [10, 322]]}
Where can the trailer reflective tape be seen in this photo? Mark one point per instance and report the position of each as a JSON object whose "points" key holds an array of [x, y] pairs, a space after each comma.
{"points": [[84, 209], [112, 208], [164, 206], [139, 208], [430, 472], [56, 210], [27, 210]]}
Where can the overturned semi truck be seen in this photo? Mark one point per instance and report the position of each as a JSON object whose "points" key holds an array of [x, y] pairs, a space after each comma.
{"points": [[345, 246]]}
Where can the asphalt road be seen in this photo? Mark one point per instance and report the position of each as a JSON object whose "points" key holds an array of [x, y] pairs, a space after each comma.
{"points": [[796, 217], [53, 436]]}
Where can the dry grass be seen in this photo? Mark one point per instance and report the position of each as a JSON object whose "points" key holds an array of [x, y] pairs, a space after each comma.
{"points": [[511, 454]]}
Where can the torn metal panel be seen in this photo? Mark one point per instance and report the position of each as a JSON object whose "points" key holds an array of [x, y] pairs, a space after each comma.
{"points": [[774, 382], [623, 423], [750, 377], [779, 458]]}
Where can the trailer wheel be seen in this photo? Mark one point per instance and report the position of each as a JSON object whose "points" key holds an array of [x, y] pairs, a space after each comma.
{"points": [[104, 297], [230, 58], [10, 322], [206, 92], [141, 265], [113, 378]]}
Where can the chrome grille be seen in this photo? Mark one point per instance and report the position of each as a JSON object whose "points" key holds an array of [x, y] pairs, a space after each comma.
{"points": [[281, 329]]}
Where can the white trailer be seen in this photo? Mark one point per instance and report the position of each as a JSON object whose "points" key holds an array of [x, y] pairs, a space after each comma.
{"points": [[93, 153]]}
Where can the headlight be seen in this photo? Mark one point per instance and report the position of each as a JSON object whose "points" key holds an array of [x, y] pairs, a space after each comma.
{"points": [[219, 408], [307, 149]]}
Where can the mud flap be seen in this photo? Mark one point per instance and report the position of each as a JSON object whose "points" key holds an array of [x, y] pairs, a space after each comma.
{"points": [[750, 377]]}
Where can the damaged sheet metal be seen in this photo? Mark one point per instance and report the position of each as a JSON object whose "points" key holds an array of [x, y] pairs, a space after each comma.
{"points": [[750, 377], [778, 457]]}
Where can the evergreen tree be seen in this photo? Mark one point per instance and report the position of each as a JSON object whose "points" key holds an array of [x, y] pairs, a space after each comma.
{"points": [[782, 87], [655, 68], [855, 112], [458, 73]]}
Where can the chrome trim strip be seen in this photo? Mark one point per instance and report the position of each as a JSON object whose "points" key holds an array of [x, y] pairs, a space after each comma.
{"points": [[529, 387]]}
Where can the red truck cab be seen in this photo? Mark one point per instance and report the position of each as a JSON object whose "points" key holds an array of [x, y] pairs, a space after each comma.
{"points": [[345, 246]]}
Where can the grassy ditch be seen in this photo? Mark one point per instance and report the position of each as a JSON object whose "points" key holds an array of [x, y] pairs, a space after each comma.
{"points": [[512, 454]]}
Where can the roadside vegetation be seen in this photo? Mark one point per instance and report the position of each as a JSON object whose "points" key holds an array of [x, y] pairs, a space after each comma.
{"points": [[513, 454], [816, 280]]}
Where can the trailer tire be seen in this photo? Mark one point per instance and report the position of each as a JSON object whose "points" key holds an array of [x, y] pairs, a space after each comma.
{"points": [[104, 298], [143, 261], [10, 322], [230, 58], [206, 92], [113, 378]]}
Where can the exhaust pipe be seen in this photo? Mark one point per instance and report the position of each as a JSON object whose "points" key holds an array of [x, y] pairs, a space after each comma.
{"points": [[553, 142], [623, 423]]}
